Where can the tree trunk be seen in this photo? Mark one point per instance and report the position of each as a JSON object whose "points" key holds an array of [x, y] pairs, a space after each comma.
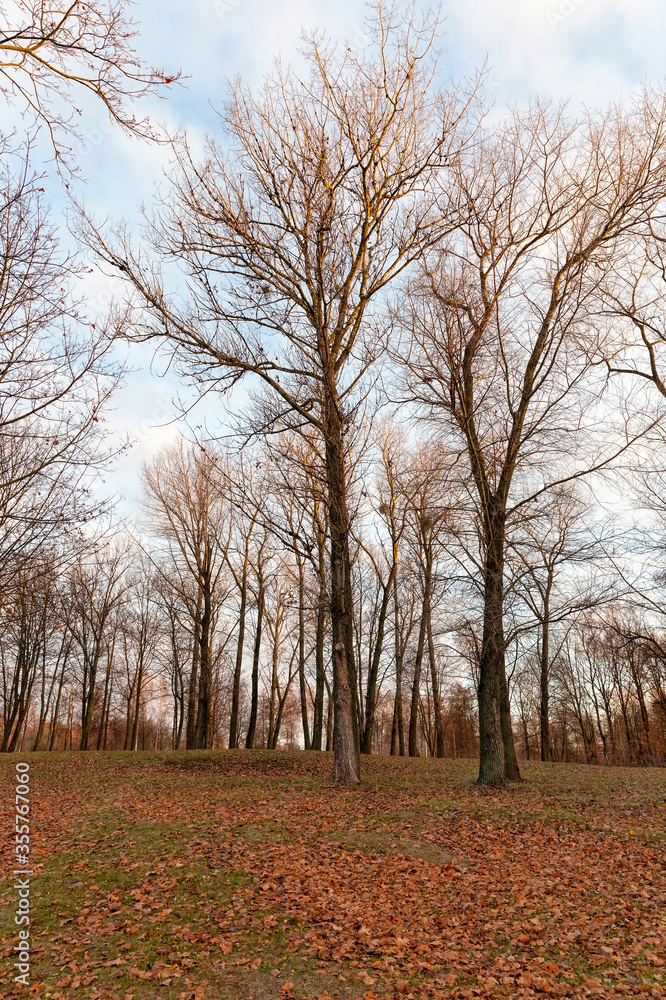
{"points": [[397, 726], [128, 718], [301, 655], [373, 674], [87, 703], [202, 728], [56, 708], [320, 667], [511, 769], [271, 738], [345, 727], [491, 763], [44, 703], [440, 744], [235, 691], [544, 722], [346, 765], [645, 718], [137, 709], [254, 704], [106, 700], [194, 676], [418, 662]]}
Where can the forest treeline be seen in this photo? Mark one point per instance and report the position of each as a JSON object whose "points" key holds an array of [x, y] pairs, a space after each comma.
{"points": [[435, 335], [210, 626]]}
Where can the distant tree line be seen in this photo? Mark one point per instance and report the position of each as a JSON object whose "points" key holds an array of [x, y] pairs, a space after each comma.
{"points": [[211, 627]]}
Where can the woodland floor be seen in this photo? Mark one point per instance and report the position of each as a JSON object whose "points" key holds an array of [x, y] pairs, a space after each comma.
{"points": [[231, 876]]}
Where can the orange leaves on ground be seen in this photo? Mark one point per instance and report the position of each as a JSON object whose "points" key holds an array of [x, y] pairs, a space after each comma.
{"points": [[416, 885]]}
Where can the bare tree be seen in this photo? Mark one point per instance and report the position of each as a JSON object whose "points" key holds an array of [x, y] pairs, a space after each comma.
{"points": [[139, 625], [260, 565], [499, 336], [291, 240], [55, 379], [188, 508], [429, 502], [96, 593], [554, 538]]}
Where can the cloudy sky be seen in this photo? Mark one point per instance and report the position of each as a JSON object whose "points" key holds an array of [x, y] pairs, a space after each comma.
{"points": [[586, 51]]}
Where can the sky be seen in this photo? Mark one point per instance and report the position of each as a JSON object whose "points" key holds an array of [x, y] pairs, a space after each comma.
{"points": [[589, 52]]}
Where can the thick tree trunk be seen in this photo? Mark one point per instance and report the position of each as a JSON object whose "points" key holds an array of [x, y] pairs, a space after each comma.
{"points": [[498, 758], [511, 769], [137, 706], [347, 751], [203, 727], [346, 764], [491, 763], [128, 718], [87, 704], [254, 699]]}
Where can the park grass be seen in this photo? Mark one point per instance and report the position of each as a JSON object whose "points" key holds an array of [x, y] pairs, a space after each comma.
{"points": [[248, 875]]}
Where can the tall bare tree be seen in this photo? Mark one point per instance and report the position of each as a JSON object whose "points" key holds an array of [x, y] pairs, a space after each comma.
{"points": [[188, 507], [97, 589], [55, 378], [553, 539], [500, 337], [290, 239]]}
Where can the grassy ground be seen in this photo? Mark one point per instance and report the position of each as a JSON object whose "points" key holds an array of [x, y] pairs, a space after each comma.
{"points": [[249, 876]]}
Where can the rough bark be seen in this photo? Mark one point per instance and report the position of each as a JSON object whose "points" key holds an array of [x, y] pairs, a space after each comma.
{"points": [[346, 750], [202, 727], [491, 764], [346, 763], [440, 745]]}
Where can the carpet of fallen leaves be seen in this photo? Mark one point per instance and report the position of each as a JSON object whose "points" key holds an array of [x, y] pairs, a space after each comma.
{"points": [[250, 876]]}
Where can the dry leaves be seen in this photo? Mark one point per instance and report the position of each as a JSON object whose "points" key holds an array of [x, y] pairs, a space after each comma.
{"points": [[416, 885]]}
